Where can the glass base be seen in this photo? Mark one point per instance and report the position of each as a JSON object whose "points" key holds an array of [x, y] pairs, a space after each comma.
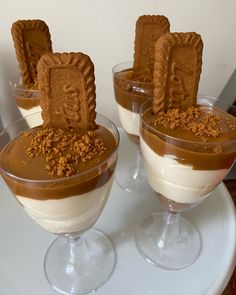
{"points": [[79, 265], [168, 241]]}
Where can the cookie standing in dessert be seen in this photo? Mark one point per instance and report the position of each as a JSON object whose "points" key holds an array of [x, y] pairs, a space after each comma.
{"points": [[31, 40], [187, 144], [149, 28], [133, 82], [62, 172]]}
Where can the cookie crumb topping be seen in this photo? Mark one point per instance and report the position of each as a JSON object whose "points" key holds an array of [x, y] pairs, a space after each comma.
{"points": [[202, 124], [64, 150]]}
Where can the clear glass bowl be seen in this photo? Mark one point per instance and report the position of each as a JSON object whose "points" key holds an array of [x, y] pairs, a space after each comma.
{"points": [[183, 173], [130, 95], [26, 99], [81, 259]]}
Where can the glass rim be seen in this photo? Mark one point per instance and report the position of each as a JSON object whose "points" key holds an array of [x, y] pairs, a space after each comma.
{"points": [[180, 140], [59, 179], [128, 65], [18, 88], [14, 83]]}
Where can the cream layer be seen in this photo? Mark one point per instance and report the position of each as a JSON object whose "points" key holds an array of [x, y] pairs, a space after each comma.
{"points": [[68, 215], [178, 182], [31, 121], [129, 120]]}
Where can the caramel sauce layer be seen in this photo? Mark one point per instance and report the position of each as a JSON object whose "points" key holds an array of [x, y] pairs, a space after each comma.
{"points": [[30, 178], [129, 93], [189, 148], [27, 103]]}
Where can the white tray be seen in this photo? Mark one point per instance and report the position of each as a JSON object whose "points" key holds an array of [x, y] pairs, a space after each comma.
{"points": [[23, 245]]}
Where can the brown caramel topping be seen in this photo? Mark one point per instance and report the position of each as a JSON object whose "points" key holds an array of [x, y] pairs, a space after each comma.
{"points": [[140, 75], [63, 150], [194, 119], [129, 93], [28, 98], [27, 103], [85, 145], [202, 137]]}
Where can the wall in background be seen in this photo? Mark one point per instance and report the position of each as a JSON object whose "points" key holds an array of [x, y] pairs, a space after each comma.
{"points": [[104, 29]]}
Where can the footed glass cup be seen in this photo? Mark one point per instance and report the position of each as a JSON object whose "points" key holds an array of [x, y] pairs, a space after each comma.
{"points": [[183, 173], [80, 259], [130, 95], [26, 99]]}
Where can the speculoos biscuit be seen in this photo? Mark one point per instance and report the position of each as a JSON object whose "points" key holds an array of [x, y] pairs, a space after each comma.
{"points": [[149, 28], [67, 90], [178, 62], [31, 40]]}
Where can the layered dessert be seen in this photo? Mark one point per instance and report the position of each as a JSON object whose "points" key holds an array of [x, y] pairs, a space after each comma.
{"points": [[28, 103], [130, 93], [31, 40], [188, 144], [133, 81], [187, 153], [62, 178], [61, 172], [27, 99]]}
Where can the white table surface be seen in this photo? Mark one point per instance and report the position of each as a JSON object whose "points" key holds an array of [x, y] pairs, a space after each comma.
{"points": [[23, 245]]}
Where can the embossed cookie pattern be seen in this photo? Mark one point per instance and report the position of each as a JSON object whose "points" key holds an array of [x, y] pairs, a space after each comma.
{"points": [[178, 61], [149, 28], [67, 90], [31, 40]]}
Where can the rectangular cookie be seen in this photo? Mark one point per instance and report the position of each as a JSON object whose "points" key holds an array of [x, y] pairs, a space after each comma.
{"points": [[31, 40], [67, 90], [149, 28], [178, 62]]}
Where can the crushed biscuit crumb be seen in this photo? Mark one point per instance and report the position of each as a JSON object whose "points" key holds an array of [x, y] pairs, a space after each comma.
{"points": [[63, 150], [204, 125]]}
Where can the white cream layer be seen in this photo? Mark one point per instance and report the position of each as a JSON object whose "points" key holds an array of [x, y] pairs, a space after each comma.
{"points": [[178, 182], [32, 121], [129, 120], [72, 214]]}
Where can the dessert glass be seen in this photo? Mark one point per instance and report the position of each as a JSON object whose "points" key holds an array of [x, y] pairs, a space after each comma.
{"points": [[130, 95], [26, 99], [167, 239], [80, 259]]}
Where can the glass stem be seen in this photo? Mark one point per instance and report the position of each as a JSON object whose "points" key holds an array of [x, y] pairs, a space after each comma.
{"points": [[76, 252], [138, 162], [170, 231]]}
